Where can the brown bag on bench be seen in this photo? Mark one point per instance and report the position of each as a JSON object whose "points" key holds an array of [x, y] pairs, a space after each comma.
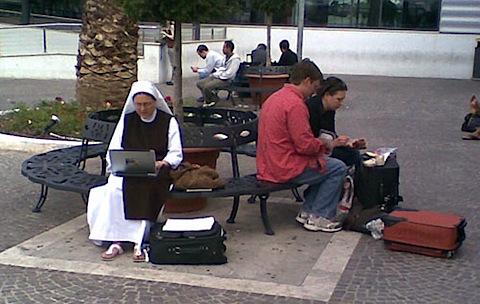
{"points": [[194, 176]]}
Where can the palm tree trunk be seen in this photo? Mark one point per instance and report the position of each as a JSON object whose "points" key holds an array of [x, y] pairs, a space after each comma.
{"points": [[107, 55]]}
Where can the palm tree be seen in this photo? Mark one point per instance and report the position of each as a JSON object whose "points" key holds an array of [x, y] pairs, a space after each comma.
{"points": [[107, 55]]}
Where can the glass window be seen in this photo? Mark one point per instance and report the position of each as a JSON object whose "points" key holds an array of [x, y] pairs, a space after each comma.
{"points": [[401, 14], [390, 14], [61, 8]]}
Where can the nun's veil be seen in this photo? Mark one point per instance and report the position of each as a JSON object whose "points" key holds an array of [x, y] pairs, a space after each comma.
{"points": [[137, 87]]}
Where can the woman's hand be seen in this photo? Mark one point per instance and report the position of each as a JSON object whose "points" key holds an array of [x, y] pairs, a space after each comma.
{"points": [[342, 140]]}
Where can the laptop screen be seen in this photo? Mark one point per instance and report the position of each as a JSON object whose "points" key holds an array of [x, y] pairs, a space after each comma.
{"points": [[133, 163]]}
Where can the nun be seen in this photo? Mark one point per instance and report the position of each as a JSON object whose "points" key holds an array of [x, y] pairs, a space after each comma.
{"points": [[122, 210]]}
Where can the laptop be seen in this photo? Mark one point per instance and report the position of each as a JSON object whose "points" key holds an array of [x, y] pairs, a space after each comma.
{"points": [[133, 163]]}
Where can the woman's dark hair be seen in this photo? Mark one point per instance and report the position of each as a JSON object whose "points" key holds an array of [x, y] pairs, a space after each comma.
{"points": [[143, 93], [331, 85]]}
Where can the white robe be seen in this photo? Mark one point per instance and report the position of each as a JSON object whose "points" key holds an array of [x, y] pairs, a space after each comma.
{"points": [[106, 216]]}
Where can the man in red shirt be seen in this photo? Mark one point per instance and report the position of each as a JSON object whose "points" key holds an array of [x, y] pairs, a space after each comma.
{"points": [[288, 151]]}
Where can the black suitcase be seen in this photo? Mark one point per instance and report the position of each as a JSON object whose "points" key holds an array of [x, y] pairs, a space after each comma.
{"points": [[379, 185], [187, 247]]}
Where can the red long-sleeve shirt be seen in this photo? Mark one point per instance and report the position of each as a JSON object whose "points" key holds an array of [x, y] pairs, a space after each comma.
{"points": [[286, 145]]}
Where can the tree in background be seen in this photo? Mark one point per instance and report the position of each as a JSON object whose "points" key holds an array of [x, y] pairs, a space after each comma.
{"points": [[271, 7], [179, 11], [107, 55]]}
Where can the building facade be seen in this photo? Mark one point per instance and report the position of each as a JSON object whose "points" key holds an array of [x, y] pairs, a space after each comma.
{"points": [[409, 38]]}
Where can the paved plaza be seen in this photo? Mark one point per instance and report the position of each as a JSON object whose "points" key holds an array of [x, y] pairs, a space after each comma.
{"points": [[46, 257]]}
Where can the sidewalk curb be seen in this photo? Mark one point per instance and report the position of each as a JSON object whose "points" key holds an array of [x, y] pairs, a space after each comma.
{"points": [[33, 145]]}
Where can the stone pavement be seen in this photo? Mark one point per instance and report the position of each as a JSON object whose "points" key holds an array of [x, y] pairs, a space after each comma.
{"points": [[46, 258]]}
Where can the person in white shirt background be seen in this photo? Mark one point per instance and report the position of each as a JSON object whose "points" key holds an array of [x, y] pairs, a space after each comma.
{"points": [[213, 60]]}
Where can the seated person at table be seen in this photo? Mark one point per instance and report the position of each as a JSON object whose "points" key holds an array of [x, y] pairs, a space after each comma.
{"points": [[223, 77], [213, 60], [330, 97], [288, 57], [259, 55], [122, 210]]}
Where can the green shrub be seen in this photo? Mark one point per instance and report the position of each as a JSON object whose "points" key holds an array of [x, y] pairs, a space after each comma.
{"points": [[31, 121]]}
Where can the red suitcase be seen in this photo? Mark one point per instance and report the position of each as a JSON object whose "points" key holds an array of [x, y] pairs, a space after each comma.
{"points": [[424, 232]]}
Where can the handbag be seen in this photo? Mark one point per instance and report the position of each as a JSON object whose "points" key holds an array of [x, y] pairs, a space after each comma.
{"points": [[193, 176], [471, 122], [359, 216]]}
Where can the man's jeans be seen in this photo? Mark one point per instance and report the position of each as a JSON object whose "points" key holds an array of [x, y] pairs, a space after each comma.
{"points": [[323, 193]]}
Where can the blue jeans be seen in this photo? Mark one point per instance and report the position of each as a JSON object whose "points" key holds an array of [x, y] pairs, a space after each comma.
{"points": [[323, 193], [202, 75]]}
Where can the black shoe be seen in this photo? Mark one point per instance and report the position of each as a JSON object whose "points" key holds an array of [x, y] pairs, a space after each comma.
{"points": [[169, 83], [200, 99]]}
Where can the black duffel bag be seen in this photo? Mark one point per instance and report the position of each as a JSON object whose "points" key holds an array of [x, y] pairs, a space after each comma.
{"points": [[187, 247]]}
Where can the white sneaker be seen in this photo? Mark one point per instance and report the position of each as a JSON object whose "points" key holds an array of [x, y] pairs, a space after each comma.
{"points": [[302, 217], [319, 223]]}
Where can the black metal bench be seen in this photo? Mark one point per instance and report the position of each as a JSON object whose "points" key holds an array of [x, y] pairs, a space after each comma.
{"points": [[250, 149], [236, 187], [62, 169]]}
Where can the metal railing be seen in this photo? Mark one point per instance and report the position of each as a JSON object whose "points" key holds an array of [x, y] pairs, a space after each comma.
{"points": [[62, 38], [35, 39]]}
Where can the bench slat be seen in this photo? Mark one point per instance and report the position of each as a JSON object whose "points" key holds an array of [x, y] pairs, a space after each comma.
{"points": [[246, 185]]}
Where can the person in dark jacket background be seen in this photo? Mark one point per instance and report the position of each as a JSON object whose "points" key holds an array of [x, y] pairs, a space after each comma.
{"points": [[288, 57], [259, 55]]}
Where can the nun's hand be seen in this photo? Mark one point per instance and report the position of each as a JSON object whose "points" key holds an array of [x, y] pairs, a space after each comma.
{"points": [[161, 163]]}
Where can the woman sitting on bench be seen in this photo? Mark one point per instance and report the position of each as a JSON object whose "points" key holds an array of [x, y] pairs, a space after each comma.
{"points": [[322, 107], [122, 209]]}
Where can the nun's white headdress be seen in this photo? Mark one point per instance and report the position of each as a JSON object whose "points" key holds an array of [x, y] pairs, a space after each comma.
{"points": [[137, 87]]}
